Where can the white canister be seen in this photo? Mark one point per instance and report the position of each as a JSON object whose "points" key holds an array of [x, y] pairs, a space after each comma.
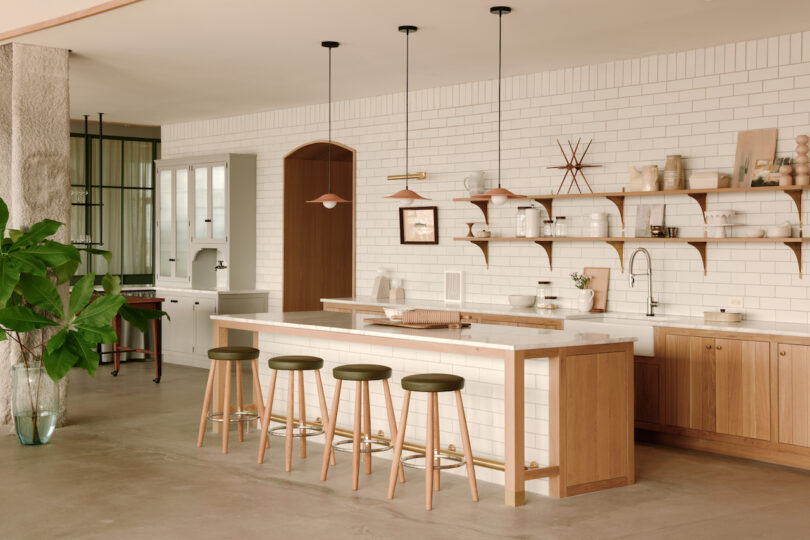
{"points": [[532, 222], [598, 226]]}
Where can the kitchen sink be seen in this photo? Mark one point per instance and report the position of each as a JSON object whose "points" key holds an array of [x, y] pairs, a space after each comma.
{"points": [[634, 325]]}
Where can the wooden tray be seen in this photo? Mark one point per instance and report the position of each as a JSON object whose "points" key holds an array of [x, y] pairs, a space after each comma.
{"points": [[421, 326]]}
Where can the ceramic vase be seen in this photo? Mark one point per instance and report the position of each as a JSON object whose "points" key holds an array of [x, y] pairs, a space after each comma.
{"points": [[585, 300]]}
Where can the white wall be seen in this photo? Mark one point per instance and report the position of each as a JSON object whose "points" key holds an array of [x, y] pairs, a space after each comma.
{"points": [[637, 111]]}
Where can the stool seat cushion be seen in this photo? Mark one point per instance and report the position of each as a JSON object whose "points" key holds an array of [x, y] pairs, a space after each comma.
{"points": [[362, 372], [295, 363], [233, 353], [433, 382]]}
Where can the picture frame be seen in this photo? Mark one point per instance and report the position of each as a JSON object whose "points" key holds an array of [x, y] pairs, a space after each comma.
{"points": [[419, 225]]}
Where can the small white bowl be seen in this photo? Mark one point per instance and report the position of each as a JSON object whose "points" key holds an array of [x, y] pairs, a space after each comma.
{"points": [[752, 232], [522, 300], [394, 314], [780, 231]]}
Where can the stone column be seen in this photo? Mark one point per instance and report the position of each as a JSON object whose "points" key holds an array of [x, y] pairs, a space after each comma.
{"points": [[34, 155]]}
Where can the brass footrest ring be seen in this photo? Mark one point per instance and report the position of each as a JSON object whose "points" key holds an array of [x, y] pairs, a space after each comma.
{"points": [[236, 416], [458, 461], [298, 431], [381, 446]]}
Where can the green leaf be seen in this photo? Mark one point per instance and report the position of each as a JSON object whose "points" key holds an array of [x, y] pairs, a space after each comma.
{"points": [[86, 356], [37, 233], [54, 253], [40, 292], [65, 271], [57, 340], [58, 361], [100, 311], [9, 277], [3, 217], [15, 234], [28, 263], [3, 336], [23, 319], [81, 294], [92, 251], [111, 284], [139, 317]]}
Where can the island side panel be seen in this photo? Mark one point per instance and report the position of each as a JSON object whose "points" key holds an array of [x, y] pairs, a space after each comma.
{"points": [[514, 430]]}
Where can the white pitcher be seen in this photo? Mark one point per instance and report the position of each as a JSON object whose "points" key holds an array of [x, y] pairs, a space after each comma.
{"points": [[475, 184], [585, 300]]}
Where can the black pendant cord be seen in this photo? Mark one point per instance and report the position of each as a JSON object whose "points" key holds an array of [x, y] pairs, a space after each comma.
{"points": [[500, 47], [100, 180], [329, 165], [407, 87]]}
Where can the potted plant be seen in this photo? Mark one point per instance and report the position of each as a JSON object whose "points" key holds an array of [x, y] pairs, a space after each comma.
{"points": [[585, 298], [53, 333]]}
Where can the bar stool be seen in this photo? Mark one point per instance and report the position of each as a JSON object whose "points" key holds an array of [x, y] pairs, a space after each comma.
{"points": [[230, 355], [362, 374], [433, 383], [293, 364]]}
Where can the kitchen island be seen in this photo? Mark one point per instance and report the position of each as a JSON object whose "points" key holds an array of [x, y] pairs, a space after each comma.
{"points": [[565, 399]]}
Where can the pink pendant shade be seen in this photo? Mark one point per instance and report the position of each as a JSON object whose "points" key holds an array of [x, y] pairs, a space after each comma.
{"points": [[406, 194], [329, 200], [502, 192]]}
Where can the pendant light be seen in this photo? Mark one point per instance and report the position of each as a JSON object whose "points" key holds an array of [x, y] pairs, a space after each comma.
{"points": [[499, 195], [406, 196], [329, 199]]}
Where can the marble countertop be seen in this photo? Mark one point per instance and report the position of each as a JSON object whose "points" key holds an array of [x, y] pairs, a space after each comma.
{"points": [[487, 309], [672, 321], [478, 335]]}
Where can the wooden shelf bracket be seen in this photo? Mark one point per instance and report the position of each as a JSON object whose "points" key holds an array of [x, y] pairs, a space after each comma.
{"points": [[548, 204], [797, 198], [700, 198], [618, 245], [618, 200], [484, 247], [701, 247], [483, 204], [547, 245], [797, 250]]}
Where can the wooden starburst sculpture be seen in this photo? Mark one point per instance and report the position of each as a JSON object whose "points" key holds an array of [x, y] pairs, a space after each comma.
{"points": [[573, 166]]}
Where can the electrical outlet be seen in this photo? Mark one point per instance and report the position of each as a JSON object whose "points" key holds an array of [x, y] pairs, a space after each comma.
{"points": [[735, 301]]}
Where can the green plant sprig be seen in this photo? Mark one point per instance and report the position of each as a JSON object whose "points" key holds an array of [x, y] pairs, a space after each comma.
{"points": [[580, 280]]}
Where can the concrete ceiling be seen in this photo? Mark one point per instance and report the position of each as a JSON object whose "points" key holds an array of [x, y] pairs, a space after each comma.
{"points": [[163, 61]]}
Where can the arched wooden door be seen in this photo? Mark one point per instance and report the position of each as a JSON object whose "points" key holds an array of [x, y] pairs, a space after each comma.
{"points": [[318, 242]]}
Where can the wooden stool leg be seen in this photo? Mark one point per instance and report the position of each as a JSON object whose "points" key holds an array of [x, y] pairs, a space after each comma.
{"points": [[330, 431], [302, 414], [436, 446], [429, 453], [324, 413], [209, 389], [465, 440], [268, 412], [392, 424], [358, 402], [288, 443], [395, 465], [240, 402], [226, 408], [367, 425], [257, 391]]}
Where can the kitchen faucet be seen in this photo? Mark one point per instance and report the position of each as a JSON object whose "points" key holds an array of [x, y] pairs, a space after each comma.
{"points": [[632, 279]]}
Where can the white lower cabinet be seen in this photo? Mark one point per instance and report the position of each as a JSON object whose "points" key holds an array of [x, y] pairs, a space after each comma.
{"points": [[189, 334]]}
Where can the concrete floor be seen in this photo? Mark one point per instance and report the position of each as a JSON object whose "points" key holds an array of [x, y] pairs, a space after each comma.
{"points": [[127, 466]]}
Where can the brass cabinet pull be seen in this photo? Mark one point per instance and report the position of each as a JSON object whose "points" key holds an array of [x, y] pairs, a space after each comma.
{"points": [[708, 347], [719, 347], [782, 353]]}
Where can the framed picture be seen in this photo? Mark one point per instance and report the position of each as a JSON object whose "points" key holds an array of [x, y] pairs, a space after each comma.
{"points": [[419, 225]]}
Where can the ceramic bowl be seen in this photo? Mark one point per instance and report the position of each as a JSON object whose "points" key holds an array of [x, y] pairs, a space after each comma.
{"points": [[394, 314], [779, 231], [522, 300], [483, 234], [752, 232]]}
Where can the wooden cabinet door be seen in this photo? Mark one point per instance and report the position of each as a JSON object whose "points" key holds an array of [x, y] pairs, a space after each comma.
{"points": [[178, 333], [647, 392], [743, 394], [689, 365], [794, 394]]}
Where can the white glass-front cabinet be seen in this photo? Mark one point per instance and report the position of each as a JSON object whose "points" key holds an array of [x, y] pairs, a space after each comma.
{"points": [[173, 225], [196, 227]]}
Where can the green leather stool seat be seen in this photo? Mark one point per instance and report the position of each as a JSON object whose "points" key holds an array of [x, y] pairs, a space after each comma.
{"points": [[362, 372], [233, 353], [433, 382], [295, 363]]}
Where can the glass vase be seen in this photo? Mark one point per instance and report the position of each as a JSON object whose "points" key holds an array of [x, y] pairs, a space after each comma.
{"points": [[35, 403]]}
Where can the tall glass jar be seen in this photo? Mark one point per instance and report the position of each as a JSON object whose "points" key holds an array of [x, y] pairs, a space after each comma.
{"points": [[560, 226], [35, 402], [548, 228], [520, 222], [543, 290]]}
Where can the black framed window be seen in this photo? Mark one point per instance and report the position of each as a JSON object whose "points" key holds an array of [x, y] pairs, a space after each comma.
{"points": [[116, 214]]}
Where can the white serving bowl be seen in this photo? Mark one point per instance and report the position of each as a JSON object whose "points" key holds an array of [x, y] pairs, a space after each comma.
{"points": [[522, 300], [752, 232], [780, 231], [394, 314]]}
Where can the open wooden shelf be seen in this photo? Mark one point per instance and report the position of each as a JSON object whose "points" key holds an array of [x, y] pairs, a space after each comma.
{"points": [[617, 197], [699, 243]]}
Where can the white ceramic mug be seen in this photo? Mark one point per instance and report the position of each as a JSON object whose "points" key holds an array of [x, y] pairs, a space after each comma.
{"points": [[475, 184]]}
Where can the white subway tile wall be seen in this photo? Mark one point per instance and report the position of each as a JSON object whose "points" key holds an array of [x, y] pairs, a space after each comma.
{"points": [[636, 111]]}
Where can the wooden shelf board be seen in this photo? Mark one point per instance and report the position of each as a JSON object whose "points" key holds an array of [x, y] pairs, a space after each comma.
{"points": [[633, 239]]}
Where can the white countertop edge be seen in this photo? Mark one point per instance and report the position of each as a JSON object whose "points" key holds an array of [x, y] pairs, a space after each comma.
{"points": [[484, 309]]}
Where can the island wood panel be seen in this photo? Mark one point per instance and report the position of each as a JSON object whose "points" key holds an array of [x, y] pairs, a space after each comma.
{"points": [[794, 394], [647, 391], [743, 388], [598, 416], [690, 382]]}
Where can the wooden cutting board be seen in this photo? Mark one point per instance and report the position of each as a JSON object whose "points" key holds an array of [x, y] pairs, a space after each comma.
{"points": [[600, 278], [422, 326]]}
